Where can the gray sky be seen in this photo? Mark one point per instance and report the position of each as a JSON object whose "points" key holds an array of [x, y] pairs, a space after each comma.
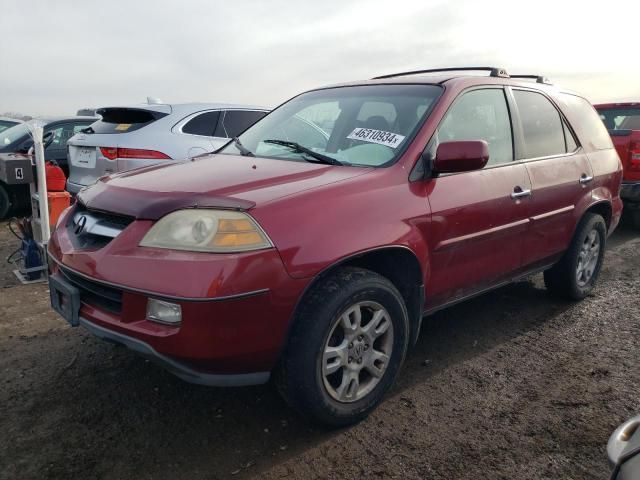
{"points": [[64, 55]]}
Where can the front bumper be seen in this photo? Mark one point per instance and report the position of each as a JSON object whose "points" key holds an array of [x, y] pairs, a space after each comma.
{"points": [[181, 370], [630, 192], [235, 308]]}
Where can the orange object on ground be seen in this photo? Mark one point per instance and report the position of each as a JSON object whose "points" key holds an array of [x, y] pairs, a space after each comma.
{"points": [[58, 201], [56, 181]]}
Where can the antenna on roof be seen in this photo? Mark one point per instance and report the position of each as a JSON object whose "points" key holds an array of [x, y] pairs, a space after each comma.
{"points": [[154, 101]]}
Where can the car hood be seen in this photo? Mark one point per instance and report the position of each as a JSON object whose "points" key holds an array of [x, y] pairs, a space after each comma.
{"points": [[222, 181]]}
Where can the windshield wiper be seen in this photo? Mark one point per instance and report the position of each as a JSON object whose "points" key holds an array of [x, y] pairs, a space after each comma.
{"points": [[244, 151], [89, 129], [296, 147]]}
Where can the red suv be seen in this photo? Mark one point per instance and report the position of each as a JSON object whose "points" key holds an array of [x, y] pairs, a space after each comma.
{"points": [[310, 247]]}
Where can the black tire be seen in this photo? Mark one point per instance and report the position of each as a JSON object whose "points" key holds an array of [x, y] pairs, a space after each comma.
{"points": [[300, 378], [5, 201], [562, 279]]}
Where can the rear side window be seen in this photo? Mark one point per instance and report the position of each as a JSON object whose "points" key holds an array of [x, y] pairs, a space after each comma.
{"points": [[235, 122], [203, 124], [588, 125], [123, 120], [621, 118], [541, 125], [481, 115]]}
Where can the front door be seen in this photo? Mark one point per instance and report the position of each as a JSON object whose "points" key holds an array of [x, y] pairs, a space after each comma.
{"points": [[478, 218]]}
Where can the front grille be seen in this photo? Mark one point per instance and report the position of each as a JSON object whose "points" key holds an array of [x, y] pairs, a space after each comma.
{"points": [[95, 294], [92, 229]]}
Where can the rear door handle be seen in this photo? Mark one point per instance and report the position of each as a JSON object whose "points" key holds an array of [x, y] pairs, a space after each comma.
{"points": [[519, 192], [584, 179]]}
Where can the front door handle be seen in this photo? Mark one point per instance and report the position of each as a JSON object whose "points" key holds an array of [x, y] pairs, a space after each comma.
{"points": [[519, 192], [584, 179]]}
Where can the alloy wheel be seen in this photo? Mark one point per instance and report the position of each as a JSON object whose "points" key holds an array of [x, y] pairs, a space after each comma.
{"points": [[357, 351]]}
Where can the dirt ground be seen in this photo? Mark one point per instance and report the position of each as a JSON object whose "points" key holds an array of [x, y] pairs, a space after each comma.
{"points": [[513, 384]]}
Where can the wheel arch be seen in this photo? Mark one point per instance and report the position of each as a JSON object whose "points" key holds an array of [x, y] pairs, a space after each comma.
{"points": [[392, 262], [602, 208]]}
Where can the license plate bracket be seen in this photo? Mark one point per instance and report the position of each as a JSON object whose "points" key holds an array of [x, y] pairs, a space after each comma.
{"points": [[65, 299]]}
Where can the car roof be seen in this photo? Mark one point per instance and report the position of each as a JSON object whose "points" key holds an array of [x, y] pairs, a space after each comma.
{"points": [[186, 108], [47, 120], [9, 119], [454, 76]]}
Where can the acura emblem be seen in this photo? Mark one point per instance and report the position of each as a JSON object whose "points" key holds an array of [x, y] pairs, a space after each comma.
{"points": [[80, 224]]}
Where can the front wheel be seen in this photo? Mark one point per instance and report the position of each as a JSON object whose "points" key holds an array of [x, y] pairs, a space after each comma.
{"points": [[575, 275], [348, 342]]}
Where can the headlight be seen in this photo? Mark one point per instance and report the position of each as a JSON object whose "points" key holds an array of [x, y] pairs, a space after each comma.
{"points": [[200, 230]]}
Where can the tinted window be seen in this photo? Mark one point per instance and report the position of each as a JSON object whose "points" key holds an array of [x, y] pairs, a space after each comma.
{"points": [[62, 133], [123, 120], [237, 121], [203, 124], [621, 118], [569, 139], [480, 115], [584, 118], [541, 125]]}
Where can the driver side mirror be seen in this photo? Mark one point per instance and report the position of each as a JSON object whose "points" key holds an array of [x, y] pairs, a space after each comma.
{"points": [[461, 156]]}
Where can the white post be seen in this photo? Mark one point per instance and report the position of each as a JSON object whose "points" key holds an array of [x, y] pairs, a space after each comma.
{"points": [[43, 201]]}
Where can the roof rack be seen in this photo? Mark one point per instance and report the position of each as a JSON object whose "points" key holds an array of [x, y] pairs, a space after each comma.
{"points": [[495, 72], [538, 78]]}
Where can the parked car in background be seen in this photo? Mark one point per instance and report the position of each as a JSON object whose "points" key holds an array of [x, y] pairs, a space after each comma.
{"points": [[6, 122], [139, 135], [17, 139], [623, 451], [623, 122], [316, 262]]}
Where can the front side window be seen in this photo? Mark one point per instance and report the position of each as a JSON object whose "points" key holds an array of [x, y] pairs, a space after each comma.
{"points": [[365, 125], [541, 125], [480, 115]]}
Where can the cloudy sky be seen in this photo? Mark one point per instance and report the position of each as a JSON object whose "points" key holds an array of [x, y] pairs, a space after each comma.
{"points": [[64, 55]]}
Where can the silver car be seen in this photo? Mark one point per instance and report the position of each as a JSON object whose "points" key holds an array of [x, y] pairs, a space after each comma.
{"points": [[135, 136]]}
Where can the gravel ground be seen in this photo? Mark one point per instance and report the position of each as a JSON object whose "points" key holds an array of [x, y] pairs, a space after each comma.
{"points": [[513, 384]]}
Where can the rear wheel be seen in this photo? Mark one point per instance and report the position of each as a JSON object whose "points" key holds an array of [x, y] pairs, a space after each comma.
{"points": [[575, 275], [348, 342]]}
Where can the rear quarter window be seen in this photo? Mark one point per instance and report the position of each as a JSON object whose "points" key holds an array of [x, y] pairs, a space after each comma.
{"points": [[203, 124], [124, 120], [585, 120]]}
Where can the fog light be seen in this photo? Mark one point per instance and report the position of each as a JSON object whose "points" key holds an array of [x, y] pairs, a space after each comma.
{"points": [[163, 312]]}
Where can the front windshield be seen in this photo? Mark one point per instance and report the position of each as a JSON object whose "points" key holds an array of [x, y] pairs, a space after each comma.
{"points": [[6, 124], [367, 125], [12, 134]]}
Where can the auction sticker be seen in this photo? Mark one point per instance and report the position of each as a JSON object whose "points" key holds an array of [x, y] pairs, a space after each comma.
{"points": [[376, 136]]}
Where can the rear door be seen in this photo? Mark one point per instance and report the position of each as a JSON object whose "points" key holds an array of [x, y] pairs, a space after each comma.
{"points": [[478, 217], [560, 174]]}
